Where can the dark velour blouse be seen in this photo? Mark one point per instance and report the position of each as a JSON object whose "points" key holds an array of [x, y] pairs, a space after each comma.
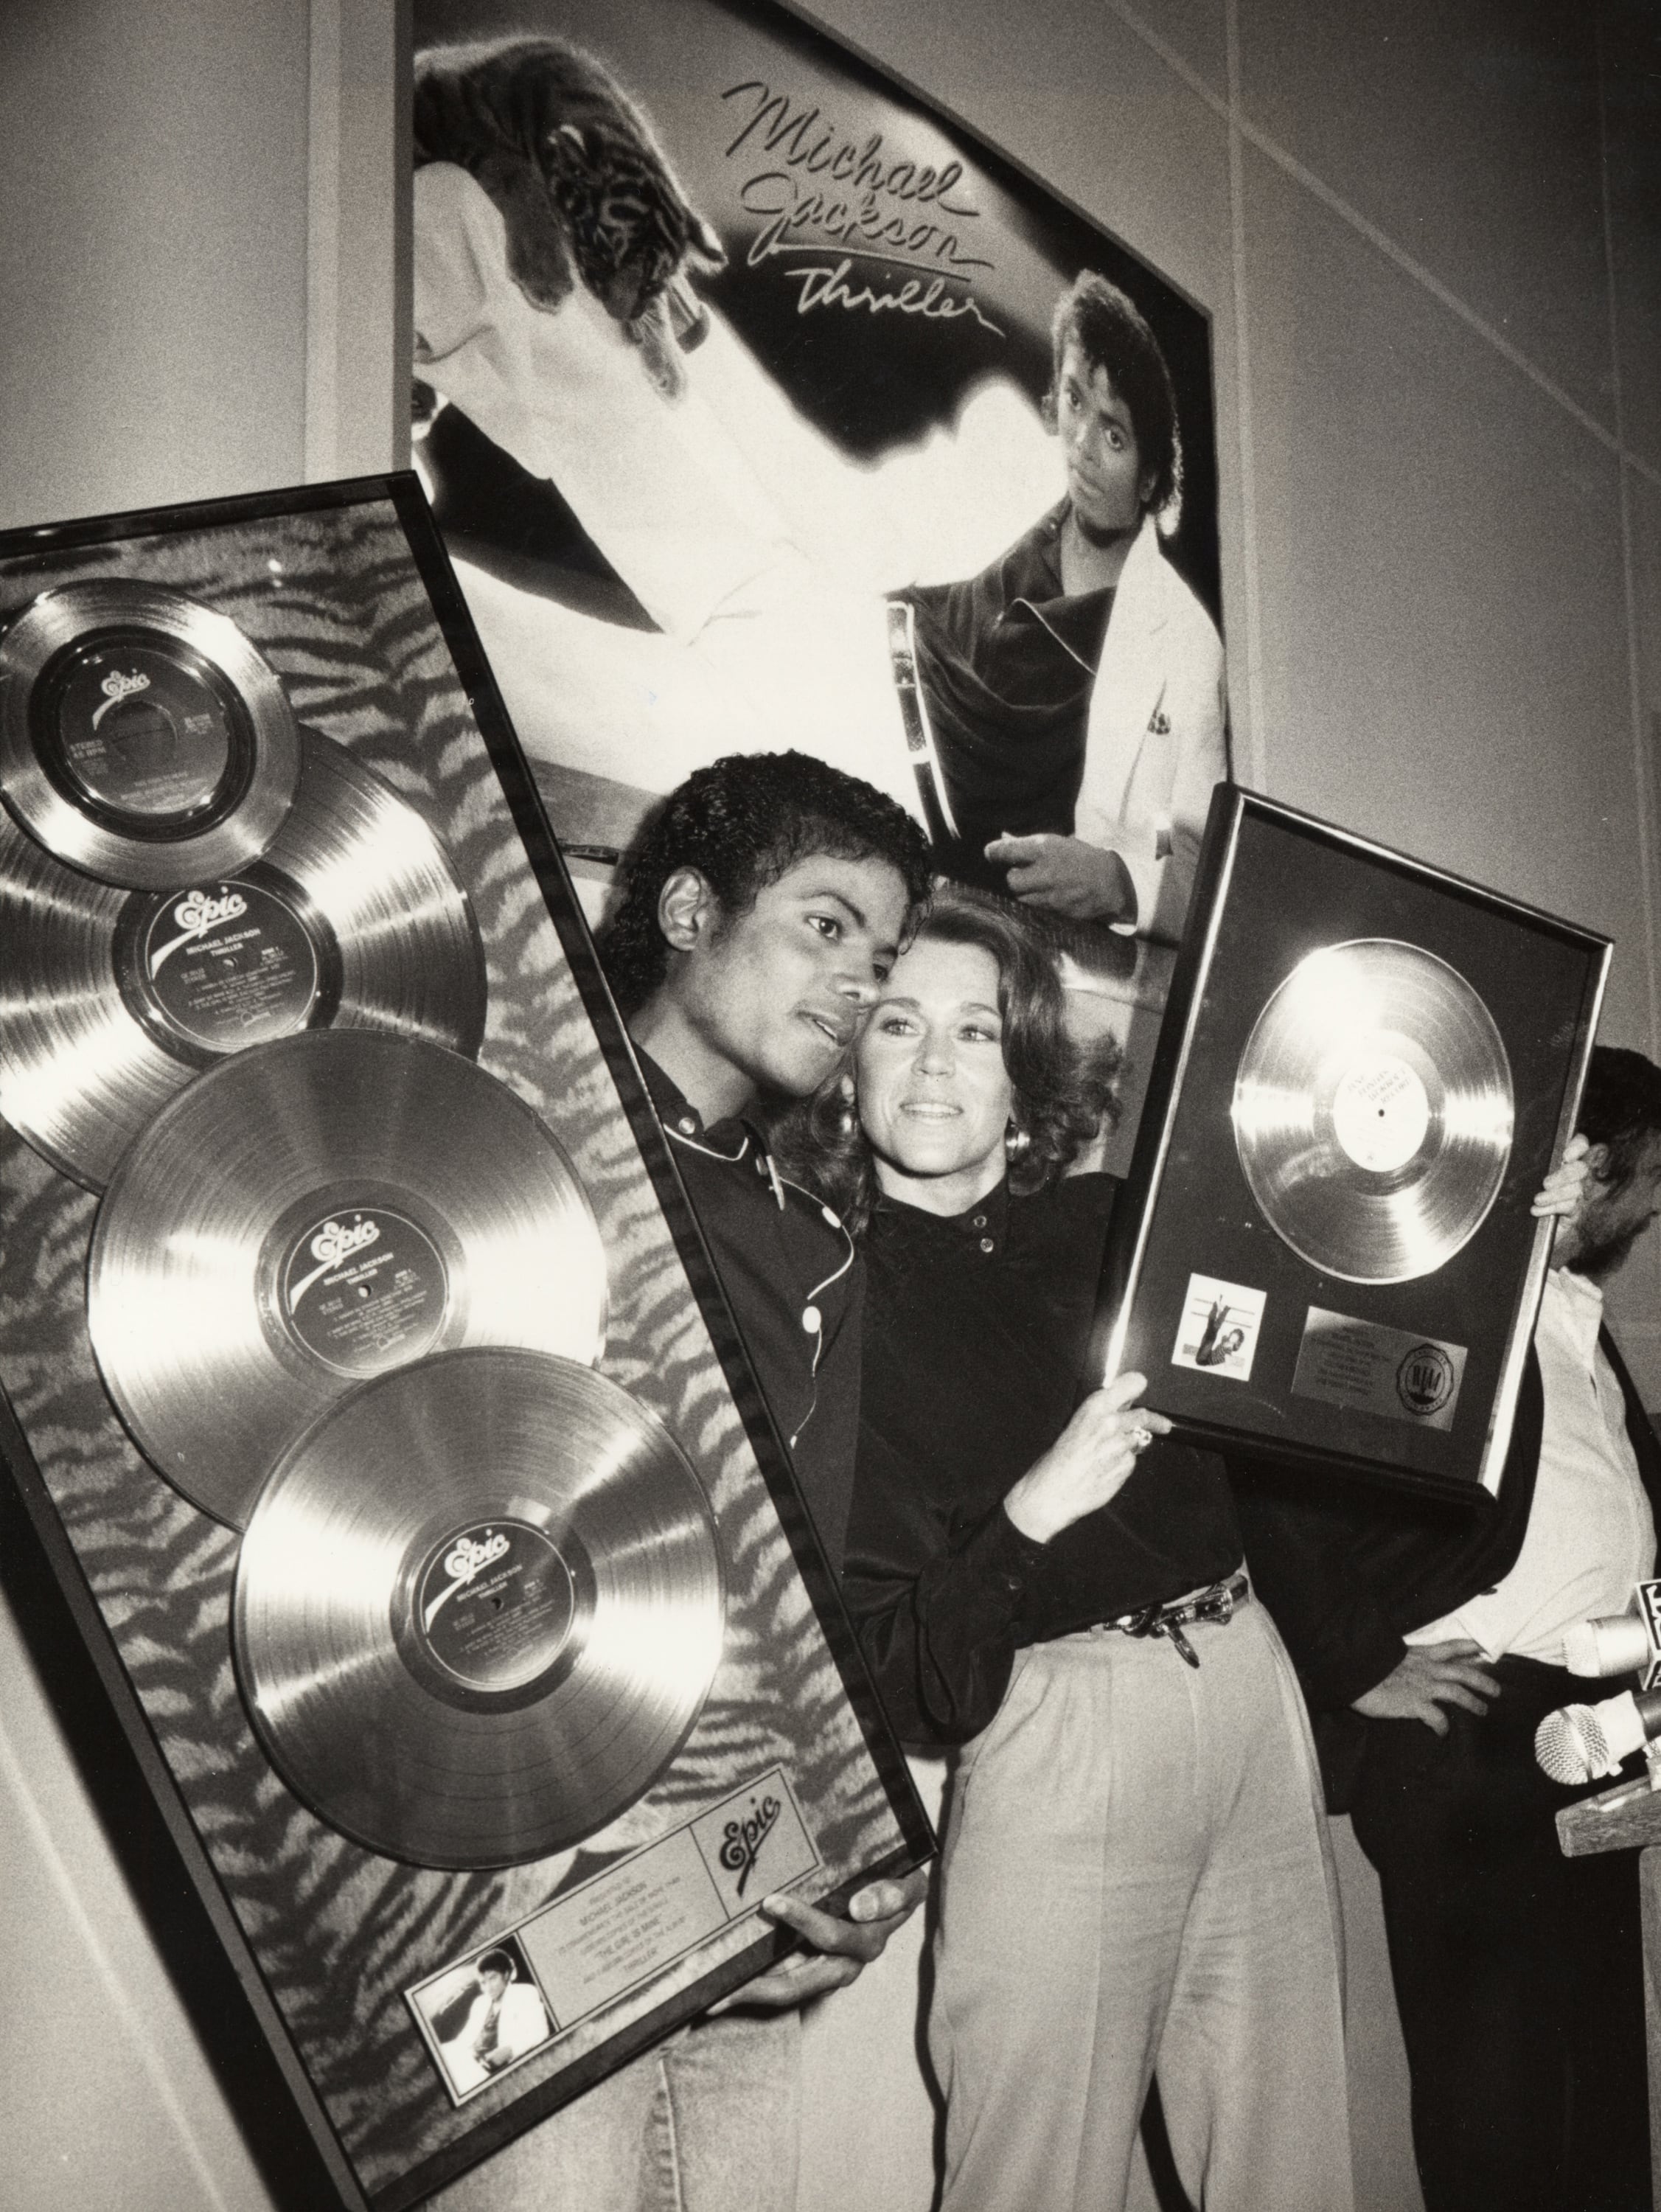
{"points": [[976, 1328]]}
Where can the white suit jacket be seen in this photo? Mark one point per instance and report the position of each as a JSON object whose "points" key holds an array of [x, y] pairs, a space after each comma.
{"points": [[1154, 745], [521, 2025]]}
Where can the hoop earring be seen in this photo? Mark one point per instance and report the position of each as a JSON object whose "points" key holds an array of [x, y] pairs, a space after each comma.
{"points": [[847, 1113], [1016, 1142]]}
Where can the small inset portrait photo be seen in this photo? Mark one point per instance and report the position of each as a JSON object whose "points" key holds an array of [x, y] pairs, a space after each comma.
{"points": [[481, 2017], [1218, 1331]]}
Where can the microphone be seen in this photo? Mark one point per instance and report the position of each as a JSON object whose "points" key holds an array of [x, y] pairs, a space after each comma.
{"points": [[1620, 1643], [1587, 1743]]}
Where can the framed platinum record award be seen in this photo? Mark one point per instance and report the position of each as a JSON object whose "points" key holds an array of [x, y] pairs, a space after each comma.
{"points": [[1325, 1250], [366, 1380]]}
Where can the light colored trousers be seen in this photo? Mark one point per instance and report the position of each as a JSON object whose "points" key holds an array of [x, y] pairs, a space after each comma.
{"points": [[708, 2122], [1136, 1880]]}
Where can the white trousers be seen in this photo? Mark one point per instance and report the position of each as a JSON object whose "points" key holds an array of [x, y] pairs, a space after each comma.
{"points": [[1136, 1880]]}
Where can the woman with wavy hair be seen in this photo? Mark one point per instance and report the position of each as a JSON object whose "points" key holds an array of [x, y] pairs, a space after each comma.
{"points": [[1135, 1876]]}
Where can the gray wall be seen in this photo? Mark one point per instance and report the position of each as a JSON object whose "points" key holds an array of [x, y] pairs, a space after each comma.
{"points": [[1429, 234]]}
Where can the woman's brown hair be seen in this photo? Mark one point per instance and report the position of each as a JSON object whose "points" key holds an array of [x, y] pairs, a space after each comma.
{"points": [[1059, 1101]]}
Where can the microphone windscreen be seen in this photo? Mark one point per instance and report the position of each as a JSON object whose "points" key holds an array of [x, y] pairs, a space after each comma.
{"points": [[1621, 1729], [1618, 1645]]}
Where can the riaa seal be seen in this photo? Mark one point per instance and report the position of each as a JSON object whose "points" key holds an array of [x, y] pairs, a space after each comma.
{"points": [[1424, 1379]]}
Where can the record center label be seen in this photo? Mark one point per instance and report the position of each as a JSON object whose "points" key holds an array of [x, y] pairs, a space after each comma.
{"points": [[1380, 1112], [364, 1290], [1345, 1362], [495, 1605], [142, 734], [228, 965]]}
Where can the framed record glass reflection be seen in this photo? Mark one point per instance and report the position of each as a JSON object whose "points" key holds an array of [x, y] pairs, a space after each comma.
{"points": [[366, 1380], [1325, 1250]]}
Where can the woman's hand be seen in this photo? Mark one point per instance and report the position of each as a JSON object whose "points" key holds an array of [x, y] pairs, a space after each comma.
{"points": [[1564, 1188], [1089, 1463]]}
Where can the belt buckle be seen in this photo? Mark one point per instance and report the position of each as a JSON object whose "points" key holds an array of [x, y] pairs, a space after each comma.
{"points": [[1172, 1628], [1165, 1620], [1217, 1605]]}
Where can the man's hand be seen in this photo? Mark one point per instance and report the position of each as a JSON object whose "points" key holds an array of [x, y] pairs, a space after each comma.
{"points": [[1429, 1677], [1065, 876], [1560, 1193], [838, 1950]]}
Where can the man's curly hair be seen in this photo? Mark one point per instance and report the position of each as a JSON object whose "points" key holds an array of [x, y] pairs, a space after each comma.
{"points": [[741, 823], [1621, 1108], [1111, 333], [1061, 1096]]}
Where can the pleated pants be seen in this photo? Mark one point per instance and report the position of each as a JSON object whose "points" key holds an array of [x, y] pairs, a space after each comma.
{"points": [[1136, 1881]]}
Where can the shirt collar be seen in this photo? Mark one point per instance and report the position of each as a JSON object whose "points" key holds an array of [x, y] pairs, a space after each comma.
{"points": [[1573, 1304], [731, 1137], [986, 1222], [1574, 1285]]}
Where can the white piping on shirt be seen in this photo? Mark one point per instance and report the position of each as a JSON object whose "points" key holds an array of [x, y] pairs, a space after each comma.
{"points": [[780, 1183]]}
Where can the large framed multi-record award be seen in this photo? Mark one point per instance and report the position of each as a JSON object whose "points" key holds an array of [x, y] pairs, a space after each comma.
{"points": [[1326, 1251], [366, 1378]]}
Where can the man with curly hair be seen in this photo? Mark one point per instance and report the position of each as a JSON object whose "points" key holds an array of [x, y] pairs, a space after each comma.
{"points": [[763, 905], [760, 909]]}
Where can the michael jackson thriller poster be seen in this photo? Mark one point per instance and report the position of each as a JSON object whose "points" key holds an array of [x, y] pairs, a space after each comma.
{"points": [[762, 406]]}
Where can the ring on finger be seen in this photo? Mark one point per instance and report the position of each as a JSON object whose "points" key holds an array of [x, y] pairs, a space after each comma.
{"points": [[1139, 1438]]}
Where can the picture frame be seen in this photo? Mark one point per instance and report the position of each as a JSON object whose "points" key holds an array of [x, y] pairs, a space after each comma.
{"points": [[344, 595], [1324, 1252], [767, 528]]}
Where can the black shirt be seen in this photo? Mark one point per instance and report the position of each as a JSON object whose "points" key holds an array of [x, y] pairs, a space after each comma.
{"points": [[782, 1257], [976, 1328], [1007, 661]]}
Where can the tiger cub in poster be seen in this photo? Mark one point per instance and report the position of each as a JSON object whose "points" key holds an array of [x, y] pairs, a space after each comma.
{"points": [[583, 187]]}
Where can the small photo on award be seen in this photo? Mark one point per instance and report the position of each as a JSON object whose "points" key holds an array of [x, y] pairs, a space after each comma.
{"points": [[1218, 1331], [482, 2017]]}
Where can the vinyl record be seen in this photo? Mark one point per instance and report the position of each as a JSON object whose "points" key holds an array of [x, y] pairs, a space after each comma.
{"points": [[314, 1213], [144, 738], [111, 1001], [1373, 1111], [478, 1608]]}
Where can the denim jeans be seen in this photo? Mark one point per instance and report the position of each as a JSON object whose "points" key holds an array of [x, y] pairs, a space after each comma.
{"points": [[708, 2122]]}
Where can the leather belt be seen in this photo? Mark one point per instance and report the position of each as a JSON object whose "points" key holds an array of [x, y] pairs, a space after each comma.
{"points": [[1218, 1603]]}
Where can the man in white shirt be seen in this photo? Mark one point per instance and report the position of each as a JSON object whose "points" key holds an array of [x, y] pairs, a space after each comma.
{"points": [[1429, 1643]]}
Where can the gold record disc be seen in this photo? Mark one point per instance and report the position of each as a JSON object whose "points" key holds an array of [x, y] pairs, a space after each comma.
{"points": [[144, 738], [478, 1608], [111, 1001], [1373, 1111], [314, 1213]]}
